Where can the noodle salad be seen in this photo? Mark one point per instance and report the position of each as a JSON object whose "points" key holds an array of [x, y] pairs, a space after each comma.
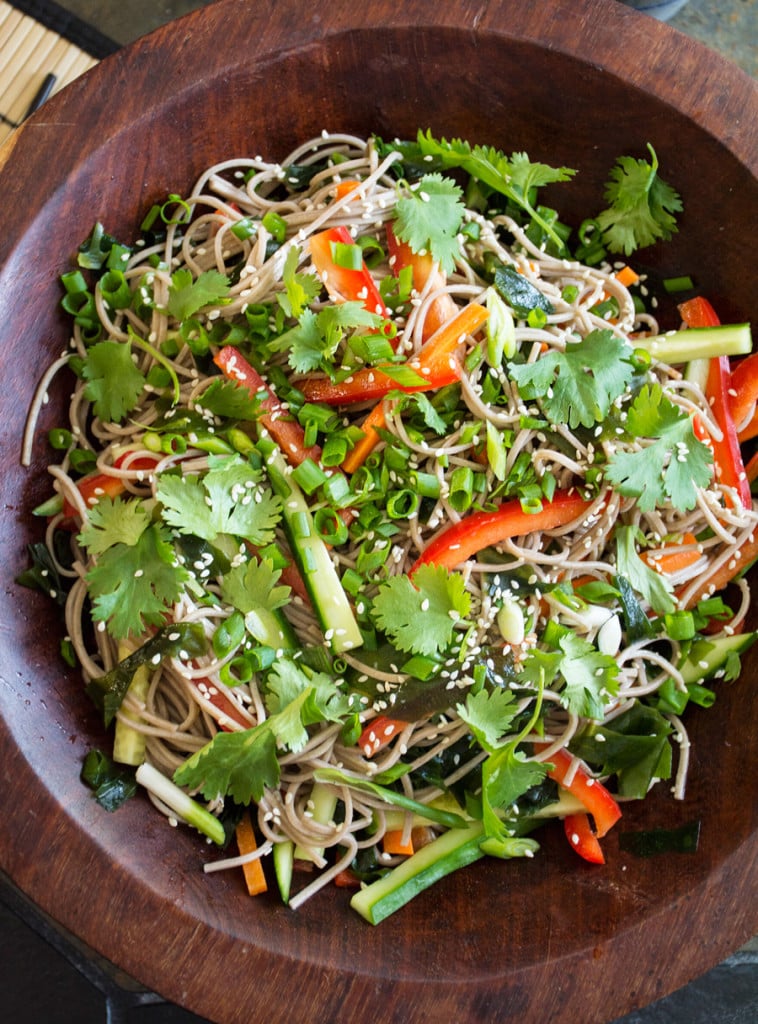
{"points": [[387, 524]]}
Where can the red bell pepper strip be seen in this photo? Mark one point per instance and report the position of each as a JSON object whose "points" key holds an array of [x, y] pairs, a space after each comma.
{"points": [[698, 312], [575, 779], [342, 283], [277, 420], [580, 835], [479, 530], [99, 485], [426, 273], [227, 710], [378, 733], [743, 395]]}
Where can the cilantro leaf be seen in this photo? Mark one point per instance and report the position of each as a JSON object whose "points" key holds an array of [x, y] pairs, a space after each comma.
{"points": [[526, 174], [229, 399], [314, 341], [251, 588], [228, 499], [651, 585], [489, 715], [577, 386], [300, 289], [113, 521], [114, 384], [243, 764], [587, 673], [238, 764], [187, 295], [133, 586], [420, 616], [287, 681], [429, 217], [252, 585], [507, 775], [641, 205], [671, 464]]}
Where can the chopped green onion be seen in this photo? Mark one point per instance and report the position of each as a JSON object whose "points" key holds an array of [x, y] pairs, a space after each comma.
{"points": [[175, 210], [258, 315], [680, 625], [531, 505], [403, 504], [82, 461], [427, 485], [275, 225], [336, 490], [461, 488], [243, 229], [373, 253], [60, 439], [349, 257], [329, 526], [228, 635], [678, 284], [309, 476]]}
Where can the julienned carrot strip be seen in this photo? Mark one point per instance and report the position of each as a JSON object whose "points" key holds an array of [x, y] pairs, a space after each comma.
{"points": [[434, 356], [627, 276], [255, 880], [392, 843], [360, 452], [671, 558], [344, 188]]}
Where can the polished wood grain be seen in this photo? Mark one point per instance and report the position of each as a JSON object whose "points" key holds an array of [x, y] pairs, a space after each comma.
{"points": [[573, 81]]}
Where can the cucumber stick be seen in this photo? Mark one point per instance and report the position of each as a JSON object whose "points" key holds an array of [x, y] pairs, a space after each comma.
{"points": [[452, 850], [128, 742], [311, 554], [708, 656], [324, 804], [683, 346], [283, 854]]}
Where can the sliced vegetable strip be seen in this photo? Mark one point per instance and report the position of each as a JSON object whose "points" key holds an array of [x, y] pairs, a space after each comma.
{"points": [[255, 879], [480, 530], [285, 430], [571, 774], [426, 275], [343, 283], [435, 363], [743, 395], [699, 312], [582, 838]]}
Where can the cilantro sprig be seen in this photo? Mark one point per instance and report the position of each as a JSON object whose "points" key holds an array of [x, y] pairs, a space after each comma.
{"points": [[421, 616], [579, 385], [429, 217], [641, 205], [515, 178], [670, 463]]}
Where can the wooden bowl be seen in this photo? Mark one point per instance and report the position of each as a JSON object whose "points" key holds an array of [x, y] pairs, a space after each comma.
{"points": [[576, 82]]}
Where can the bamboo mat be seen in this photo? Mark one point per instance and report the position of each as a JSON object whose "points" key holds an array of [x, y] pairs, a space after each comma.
{"points": [[31, 48]]}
